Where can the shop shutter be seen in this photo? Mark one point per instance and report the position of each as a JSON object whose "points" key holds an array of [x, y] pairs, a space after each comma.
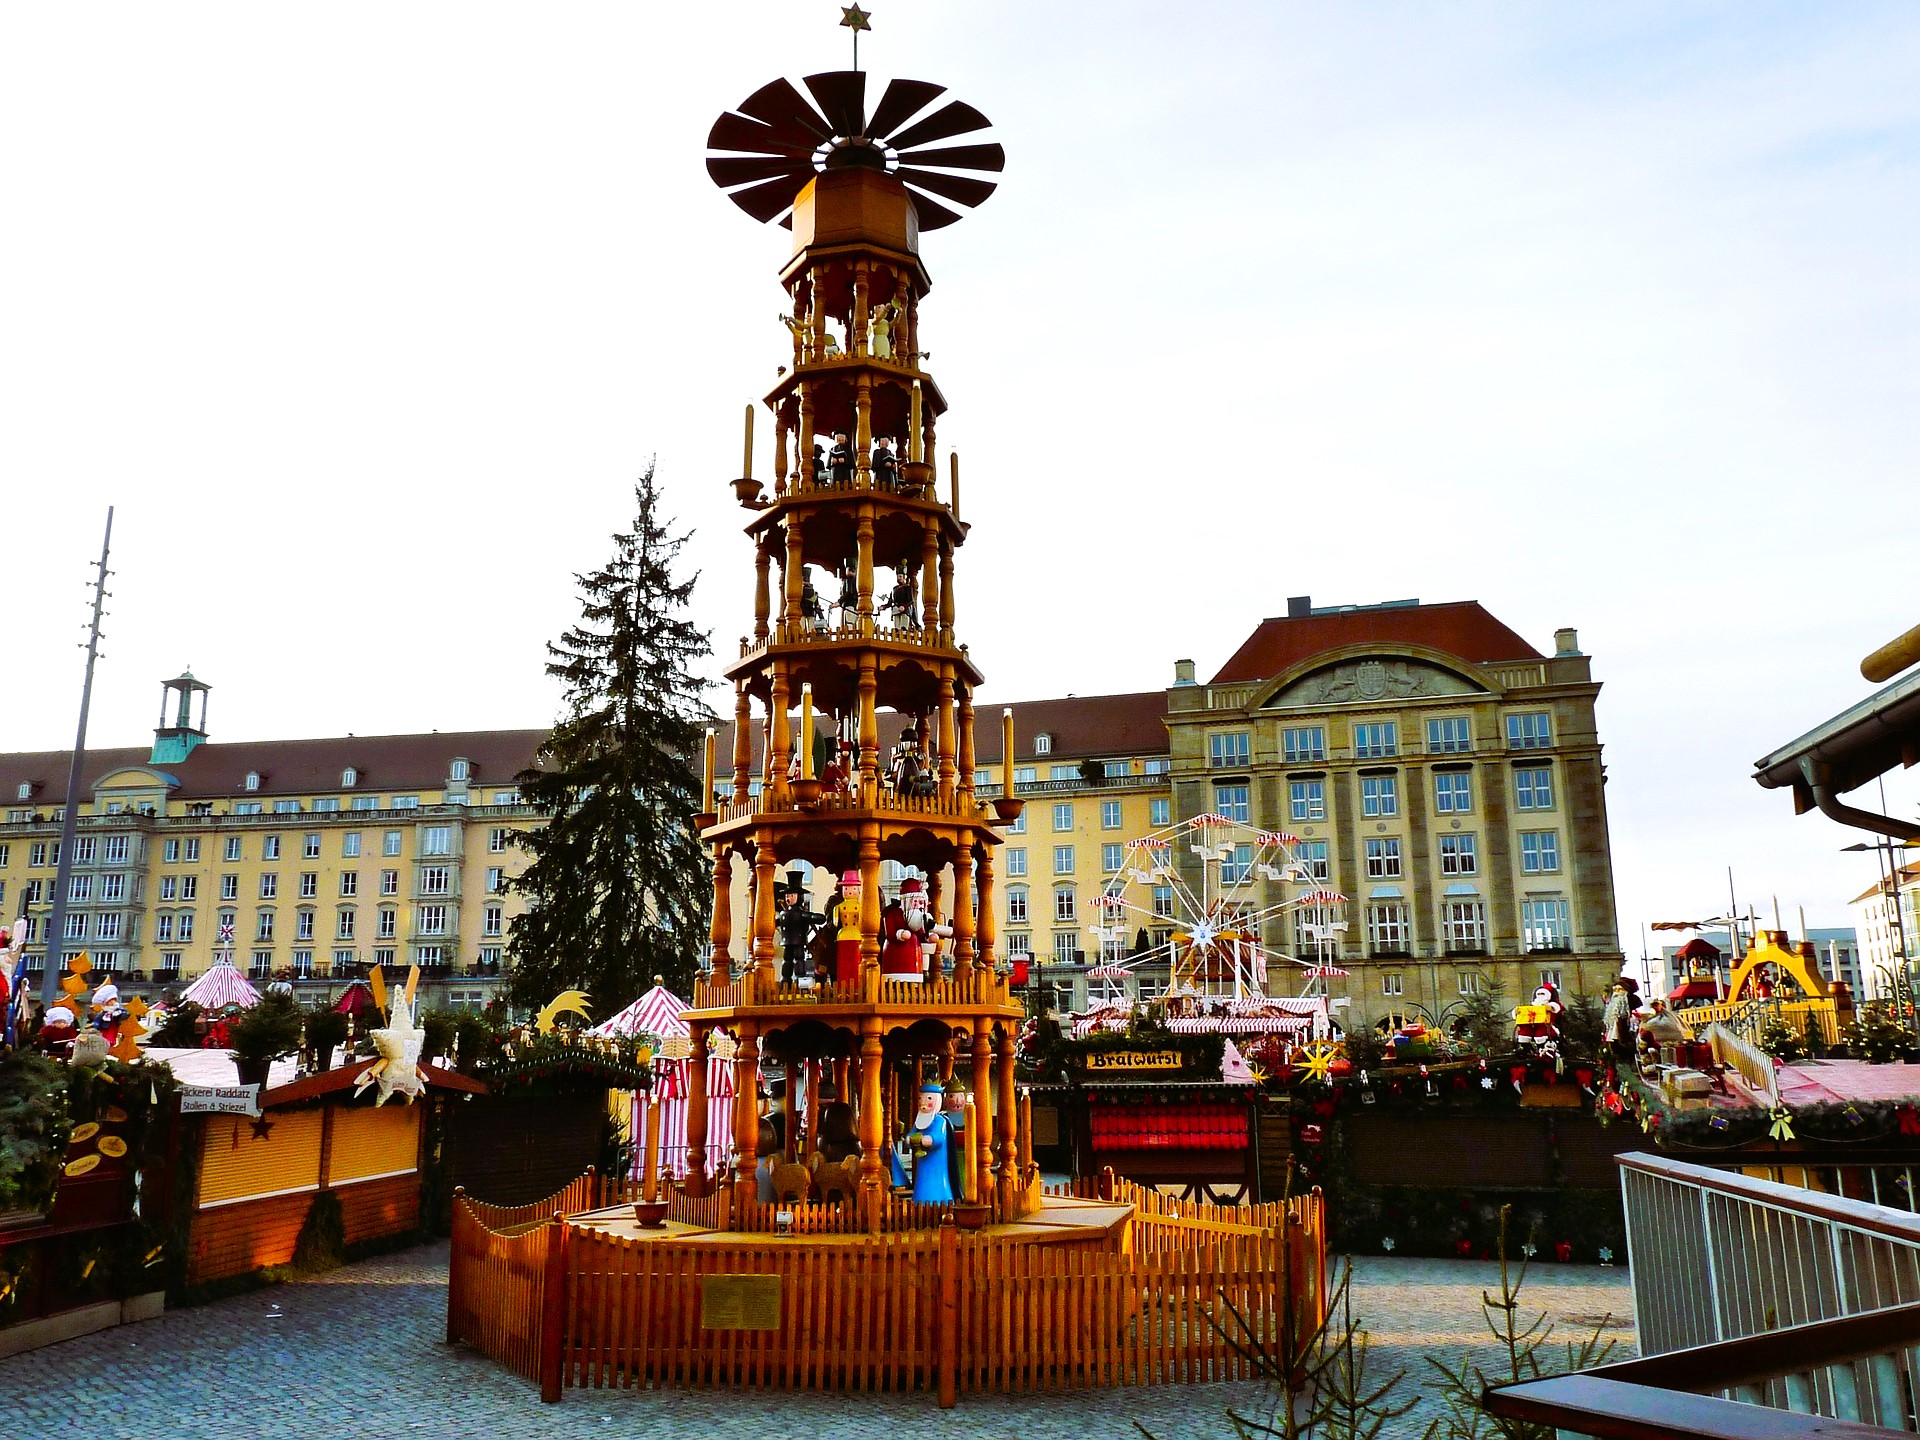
{"points": [[369, 1142], [236, 1164]]}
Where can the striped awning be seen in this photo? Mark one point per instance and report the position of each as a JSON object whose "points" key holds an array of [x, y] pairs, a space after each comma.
{"points": [[657, 1012], [1239, 1024], [221, 986]]}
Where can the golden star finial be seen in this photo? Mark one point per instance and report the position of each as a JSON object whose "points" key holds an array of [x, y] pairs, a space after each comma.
{"points": [[854, 18]]}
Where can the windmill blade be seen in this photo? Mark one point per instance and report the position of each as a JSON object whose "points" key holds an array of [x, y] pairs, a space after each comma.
{"points": [[843, 99], [933, 215], [959, 157], [957, 118], [767, 200], [736, 132], [954, 187], [730, 170], [787, 111], [902, 101]]}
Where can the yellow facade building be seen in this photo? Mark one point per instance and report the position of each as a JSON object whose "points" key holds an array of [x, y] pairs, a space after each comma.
{"points": [[323, 856]]}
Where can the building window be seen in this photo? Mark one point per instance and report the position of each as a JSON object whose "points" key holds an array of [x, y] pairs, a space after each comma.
{"points": [[1043, 744], [1233, 801], [1063, 772], [1533, 788], [163, 929], [1472, 983], [1539, 851], [1532, 730], [83, 850], [1547, 924], [492, 920], [1232, 750], [1383, 859], [383, 957], [1465, 924], [437, 840], [170, 852], [1450, 735], [1063, 860], [1109, 814], [310, 847], [1459, 855], [1155, 765], [1235, 869], [327, 805], [262, 966], [303, 925], [1313, 855], [1066, 947], [1163, 902], [506, 797], [1116, 769], [349, 778], [1063, 815], [1390, 986], [270, 847], [252, 782], [229, 887], [37, 853], [390, 843], [1550, 977], [1020, 946], [170, 965], [343, 926], [1064, 910], [113, 850], [1376, 741], [185, 926], [1112, 857], [388, 923], [263, 926], [433, 919], [366, 802], [1016, 904], [1453, 792], [109, 927], [457, 772], [77, 925], [1307, 743], [497, 840], [286, 807], [113, 889], [496, 880], [349, 882], [303, 964], [1025, 775], [1379, 795], [1159, 811], [247, 807], [1307, 799], [193, 852], [1016, 860], [406, 802], [23, 791], [309, 884], [269, 886], [169, 886]]}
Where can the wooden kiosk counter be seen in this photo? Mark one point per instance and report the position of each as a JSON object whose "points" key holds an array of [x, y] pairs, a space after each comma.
{"points": [[902, 1029]]}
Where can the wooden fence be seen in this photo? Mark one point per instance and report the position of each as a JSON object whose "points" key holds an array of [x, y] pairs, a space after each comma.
{"points": [[1186, 1293]]}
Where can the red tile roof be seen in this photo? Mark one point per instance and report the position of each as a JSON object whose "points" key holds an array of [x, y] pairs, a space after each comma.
{"points": [[1462, 628], [386, 763]]}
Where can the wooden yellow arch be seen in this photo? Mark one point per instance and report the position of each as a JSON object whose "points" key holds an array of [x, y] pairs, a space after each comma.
{"points": [[1770, 947]]}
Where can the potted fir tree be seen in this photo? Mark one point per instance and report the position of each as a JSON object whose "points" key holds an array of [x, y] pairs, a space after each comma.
{"points": [[266, 1033]]}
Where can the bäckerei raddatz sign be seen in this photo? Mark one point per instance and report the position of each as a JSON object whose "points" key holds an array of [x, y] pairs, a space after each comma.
{"points": [[220, 1100], [1134, 1060]]}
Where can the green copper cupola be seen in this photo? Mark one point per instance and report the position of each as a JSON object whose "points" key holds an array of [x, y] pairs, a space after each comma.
{"points": [[177, 733]]}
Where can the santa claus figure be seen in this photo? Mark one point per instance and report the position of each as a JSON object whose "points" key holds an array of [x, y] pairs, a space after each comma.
{"points": [[846, 937], [1537, 1026], [57, 1032], [910, 933]]}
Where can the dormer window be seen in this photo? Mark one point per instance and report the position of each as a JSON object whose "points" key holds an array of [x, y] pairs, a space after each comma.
{"points": [[349, 778], [458, 772], [252, 782], [25, 792], [1043, 744]]}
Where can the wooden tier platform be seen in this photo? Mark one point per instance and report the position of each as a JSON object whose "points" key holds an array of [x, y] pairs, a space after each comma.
{"points": [[1059, 1219]]}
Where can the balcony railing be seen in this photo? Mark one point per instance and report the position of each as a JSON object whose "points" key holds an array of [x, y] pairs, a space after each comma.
{"points": [[1763, 1310], [880, 628]]}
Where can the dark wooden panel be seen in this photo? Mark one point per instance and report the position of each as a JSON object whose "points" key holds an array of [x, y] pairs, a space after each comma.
{"points": [[373, 1209], [1587, 1149], [1495, 1151], [510, 1150], [235, 1239]]}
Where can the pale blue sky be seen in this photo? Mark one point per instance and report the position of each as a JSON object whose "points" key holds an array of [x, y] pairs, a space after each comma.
{"points": [[1606, 316]]}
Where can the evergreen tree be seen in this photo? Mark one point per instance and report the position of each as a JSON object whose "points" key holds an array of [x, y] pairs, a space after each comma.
{"points": [[619, 885]]}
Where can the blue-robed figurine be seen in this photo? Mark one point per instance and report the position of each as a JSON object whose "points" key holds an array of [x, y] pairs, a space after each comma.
{"points": [[928, 1140]]}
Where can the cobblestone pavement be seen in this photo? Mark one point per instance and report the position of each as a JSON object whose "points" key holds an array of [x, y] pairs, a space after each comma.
{"points": [[362, 1352]]}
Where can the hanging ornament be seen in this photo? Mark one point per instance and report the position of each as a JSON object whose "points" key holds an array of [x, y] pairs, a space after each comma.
{"points": [[1782, 1128], [1909, 1119], [1853, 1116], [1718, 1122]]}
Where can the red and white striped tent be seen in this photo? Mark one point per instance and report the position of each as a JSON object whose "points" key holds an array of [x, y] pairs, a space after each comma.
{"points": [[221, 986], [658, 1013]]}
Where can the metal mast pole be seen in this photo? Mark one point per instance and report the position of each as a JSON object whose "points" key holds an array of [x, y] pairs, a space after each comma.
{"points": [[69, 817]]}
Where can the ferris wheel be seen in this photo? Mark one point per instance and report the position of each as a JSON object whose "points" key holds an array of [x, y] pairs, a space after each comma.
{"points": [[1239, 881]]}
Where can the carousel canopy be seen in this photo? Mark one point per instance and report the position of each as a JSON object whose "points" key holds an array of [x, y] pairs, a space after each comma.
{"points": [[221, 986], [655, 1013], [358, 997]]}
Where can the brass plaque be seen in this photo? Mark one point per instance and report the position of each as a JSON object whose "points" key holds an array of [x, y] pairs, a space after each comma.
{"points": [[739, 1302], [1046, 1125], [1133, 1060]]}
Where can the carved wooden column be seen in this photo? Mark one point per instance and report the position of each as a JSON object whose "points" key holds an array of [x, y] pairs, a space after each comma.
{"points": [[986, 924], [869, 898], [696, 1182], [983, 1104], [720, 931], [963, 910], [872, 1137], [863, 433], [968, 762], [869, 788], [762, 599], [863, 553], [862, 314], [944, 755], [946, 595], [1009, 1107], [763, 914], [746, 1114], [742, 741], [779, 739], [930, 576], [795, 574]]}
